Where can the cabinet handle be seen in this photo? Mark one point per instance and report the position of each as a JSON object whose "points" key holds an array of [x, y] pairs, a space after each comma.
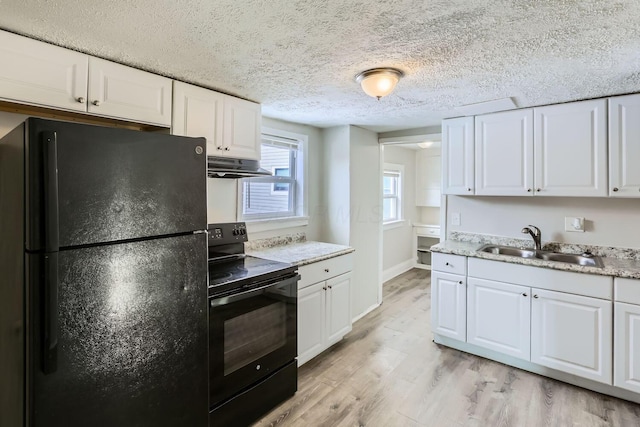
{"points": [[524, 294], [538, 189], [615, 188], [468, 189], [227, 148], [535, 296], [326, 270], [330, 287], [324, 287], [460, 282], [528, 190], [81, 99], [218, 148], [96, 103], [446, 263]]}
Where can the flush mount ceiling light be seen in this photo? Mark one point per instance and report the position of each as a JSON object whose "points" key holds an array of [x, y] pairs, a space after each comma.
{"points": [[379, 82]]}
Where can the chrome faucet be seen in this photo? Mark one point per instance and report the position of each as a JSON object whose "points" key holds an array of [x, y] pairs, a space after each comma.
{"points": [[535, 234]]}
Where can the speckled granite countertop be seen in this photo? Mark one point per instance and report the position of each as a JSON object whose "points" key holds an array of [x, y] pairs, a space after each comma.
{"points": [[618, 262], [294, 249]]}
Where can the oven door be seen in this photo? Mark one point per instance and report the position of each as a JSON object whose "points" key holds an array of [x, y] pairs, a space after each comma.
{"points": [[251, 335]]}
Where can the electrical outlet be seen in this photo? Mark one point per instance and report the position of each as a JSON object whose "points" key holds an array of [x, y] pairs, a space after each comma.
{"points": [[455, 218], [572, 223]]}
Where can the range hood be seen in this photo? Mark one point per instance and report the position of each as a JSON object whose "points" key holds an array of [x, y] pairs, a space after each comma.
{"points": [[227, 167]]}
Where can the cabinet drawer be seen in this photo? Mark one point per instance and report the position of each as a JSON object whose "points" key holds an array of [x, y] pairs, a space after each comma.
{"points": [[428, 231], [627, 290], [325, 269], [449, 263]]}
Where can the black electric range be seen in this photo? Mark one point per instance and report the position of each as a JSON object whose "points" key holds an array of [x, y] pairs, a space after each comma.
{"points": [[252, 329]]}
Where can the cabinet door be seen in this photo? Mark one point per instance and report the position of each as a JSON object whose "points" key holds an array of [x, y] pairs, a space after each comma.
{"points": [[499, 316], [338, 308], [573, 334], [198, 112], [624, 146], [38, 73], [457, 156], [570, 144], [626, 368], [449, 305], [504, 153], [428, 173], [241, 134], [127, 93], [311, 321]]}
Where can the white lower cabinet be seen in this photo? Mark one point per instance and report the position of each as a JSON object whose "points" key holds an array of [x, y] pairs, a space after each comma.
{"points": [[572, 333], [449, 305], [324, 307], [498, 316]]}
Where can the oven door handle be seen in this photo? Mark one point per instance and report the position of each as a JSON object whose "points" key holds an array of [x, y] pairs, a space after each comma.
{"points": [[216, 302]]}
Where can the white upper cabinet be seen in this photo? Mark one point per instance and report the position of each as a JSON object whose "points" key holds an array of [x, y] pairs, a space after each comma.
{"points": [[504, 153], [41, 74], [230, 125], [624, 146], [38, 73], [570, 145], [457, 156], [428, 173], [198, 112], [241, 131], [124, 92]]}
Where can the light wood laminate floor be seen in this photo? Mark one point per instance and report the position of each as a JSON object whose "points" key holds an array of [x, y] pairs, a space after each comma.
{"points": [[387, 372]]}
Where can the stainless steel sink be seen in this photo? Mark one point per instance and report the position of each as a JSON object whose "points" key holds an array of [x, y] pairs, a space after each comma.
{"points": [[508, 250], [586, 260], [591, 260]]}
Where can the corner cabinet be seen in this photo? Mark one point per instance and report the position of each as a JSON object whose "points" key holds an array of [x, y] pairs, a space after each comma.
{"points": [[624, 146], [230, 125], [324, 305], [626, 366], [457, 156], [37, 73]]}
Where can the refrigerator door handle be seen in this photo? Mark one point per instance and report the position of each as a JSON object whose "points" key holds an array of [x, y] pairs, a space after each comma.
{"points": [[51, 207], [50, 314]]}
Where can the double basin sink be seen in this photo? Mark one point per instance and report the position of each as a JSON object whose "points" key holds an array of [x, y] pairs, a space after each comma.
{"points": [[585, 259]]}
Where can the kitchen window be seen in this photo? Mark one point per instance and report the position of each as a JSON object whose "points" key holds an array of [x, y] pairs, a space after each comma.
{"points": [[282, 195], [392, 193]]}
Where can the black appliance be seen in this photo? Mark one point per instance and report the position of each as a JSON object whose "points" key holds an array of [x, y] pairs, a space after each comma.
{"points": [[103, 304], [252, 329]]}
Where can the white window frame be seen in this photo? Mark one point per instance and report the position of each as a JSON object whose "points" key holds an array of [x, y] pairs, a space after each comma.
{"points": [[299, 215], [398, 170]]}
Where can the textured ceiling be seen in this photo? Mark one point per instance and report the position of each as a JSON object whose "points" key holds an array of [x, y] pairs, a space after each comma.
{"points": [[298, 57]]}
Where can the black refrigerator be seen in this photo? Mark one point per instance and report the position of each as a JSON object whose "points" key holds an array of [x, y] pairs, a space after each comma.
{"points": [[103, 277]]}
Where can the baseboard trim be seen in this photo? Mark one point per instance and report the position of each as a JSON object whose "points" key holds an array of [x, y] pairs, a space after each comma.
{"points": [[397, 270], [364, 313]]}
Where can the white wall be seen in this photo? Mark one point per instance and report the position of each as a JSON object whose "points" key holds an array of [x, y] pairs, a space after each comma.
{"points": [[336, 188], [608, 222], [397, 242], [222, 193]]}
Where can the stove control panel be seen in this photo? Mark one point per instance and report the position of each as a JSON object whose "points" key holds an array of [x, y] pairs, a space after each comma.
{"points": [[228, 232]]}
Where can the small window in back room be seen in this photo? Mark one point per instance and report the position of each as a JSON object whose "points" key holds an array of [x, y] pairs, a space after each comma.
{"points": [[392, 193], [280, 195]]}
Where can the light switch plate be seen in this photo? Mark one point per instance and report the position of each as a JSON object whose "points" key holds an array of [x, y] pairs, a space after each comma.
{"points": [[455, 218], [574, 224]]}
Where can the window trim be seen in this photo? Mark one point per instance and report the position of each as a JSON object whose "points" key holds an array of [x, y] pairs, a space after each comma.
{"points": [[299, 215], [396, 169]]}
